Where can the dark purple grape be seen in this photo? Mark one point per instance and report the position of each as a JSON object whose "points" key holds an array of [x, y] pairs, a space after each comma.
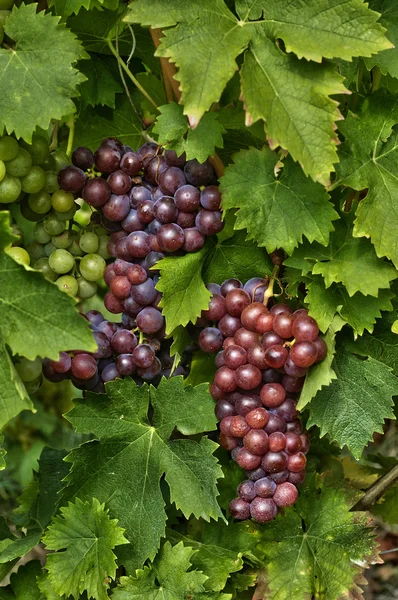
{"points": [[296, 462], [165, 210], [283, 324], [121, 250], [224, 409], [83, 158], [257, 418], [156, 193], [145, 211], [171, 179], [265, 487], [275, 423], [138, 244], [293, 370], [107, 159], [117, 208], [255, 356], [271, 376], [125, 364], [239, 509], [52, 375], [263, 510], [119, 182], [108, 328], [277, 441], [71, 179], [153, 169], [173, 160], [305, 328], [187, 198], [144, 293], [148, 150], [272, 394], [255, 287], [303, 354], [121, 266], [248, 377], [143, 356], [150, 372], [278, 309], [246, 490], [256, 441], [247, 460], [245, 403], [120, 287], [280, 477], [63, 364], [150, 261], [131, 163], [198, 174], [209, 222], [287, 410], [113, 304], [104, 349], [245, 338], [186, 220], [228, 285], [225, 379], [292, 384], [112, 142], [251, 313], [127, 321], [271, 339], [210, 198], [297, 478], [136, 274], [96, 192], [131, 222], [210, 339], [235, 356], [321, 347], [255, 474], [295, 426], [238, 427], [170, 237], [110, 226], [95, 317], [216, 309], [131, 307], [138, 194], [273, 462], [235, 301], [293, 442], [150, 320], [109, 373], [83, 366], [124, 341], [229, 325], [214, 288]]}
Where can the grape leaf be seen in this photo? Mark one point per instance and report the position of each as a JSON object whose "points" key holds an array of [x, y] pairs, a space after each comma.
{"points": [[160, 13], [355, 405], [322, 305], [171, 126], [235, 257], [24, 584], [219, 548], [292, 97], [109, 469], [320, 28], [87, 536], [205, 138], [46, 69], [369, 159], [64, 8], [387, 60], [202, 368], [184, 293], [168, 577], [387, 508], [11, 549], [276, 211], [92, 127], [101, 84], [321, 374], [36, 318], [319, 548], [13, 395]]}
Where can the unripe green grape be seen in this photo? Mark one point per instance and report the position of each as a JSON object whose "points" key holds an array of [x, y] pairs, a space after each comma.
{"points": [[61, 261], [36, 250], [103, 247], [40, 234], [99, 230], [19, 255], [92, 267], [17, 230], [63, 240], [51, 182], [34, 181], [33, 386], [66, 216], [61, 160], [49, 248], [49, 164], [89, 242], [8, 147], [3, 17], [6, 4], [2, 170], [87, 289], [38, 149], [68, 284], [74, 248], [52, 225], [40, 203], [43, 266], [28, 370], [62, 201], [28, 213], [10, 188], [20, 165]]}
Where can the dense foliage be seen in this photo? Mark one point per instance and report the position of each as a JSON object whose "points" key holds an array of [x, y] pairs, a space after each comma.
{"points": [[113, 483]]}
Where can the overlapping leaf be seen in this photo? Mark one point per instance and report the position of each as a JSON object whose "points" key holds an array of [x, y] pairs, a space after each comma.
{"points": [[101, 85], [124, 467], [13, 395], [387, 60]]}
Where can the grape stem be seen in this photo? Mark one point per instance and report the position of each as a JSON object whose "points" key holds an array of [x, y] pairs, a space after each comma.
{"points": [[71, 135], [377, 490], [269, 292]]}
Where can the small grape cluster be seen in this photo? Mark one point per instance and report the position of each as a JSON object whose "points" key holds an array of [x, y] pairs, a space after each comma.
{"points": [[263, 356], [120, 353]]}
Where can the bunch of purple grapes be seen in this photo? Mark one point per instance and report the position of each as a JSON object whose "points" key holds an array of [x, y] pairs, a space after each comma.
{"points": [[120, 353], [263, 356]]}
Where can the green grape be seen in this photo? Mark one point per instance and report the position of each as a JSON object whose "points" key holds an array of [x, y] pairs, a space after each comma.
{"points": [[36, 250], [92, 267], [62, 201], [6, 4], [40, 234], [61, 261], [28, 213], [8, 147], [2, 170], [10, 188], [19, 255], [51, 182], [89, 242], [33, 386], [34, 181], [40, 203], [28, 370], [87, 289], [17, 230], [99, 230], [38, 149], [44, 266], [1, 33], [68, 284], [52, 225], [63, 240], [49, 164], [20, 165], [3, 16], [49, 248], [74, 248], [66, 216], [61, 160], [103, 247]]}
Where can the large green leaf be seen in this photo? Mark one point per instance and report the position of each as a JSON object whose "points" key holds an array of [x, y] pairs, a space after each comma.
{"points": [[125, 466], [13, 395], [102, 83], [355, 405], [277, 211], [45, 70], [36, 318], [387, 60]]}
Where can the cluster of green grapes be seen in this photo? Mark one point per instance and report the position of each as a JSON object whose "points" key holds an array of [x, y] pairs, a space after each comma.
{"points": [[68, 250]]}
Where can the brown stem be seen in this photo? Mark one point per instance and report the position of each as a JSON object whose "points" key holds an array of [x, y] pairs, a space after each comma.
{"points": [[171, 86], [377, 490]]}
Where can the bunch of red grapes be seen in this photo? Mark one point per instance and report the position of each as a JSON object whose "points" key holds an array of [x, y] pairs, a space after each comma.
{"points": [[263, 356]]}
